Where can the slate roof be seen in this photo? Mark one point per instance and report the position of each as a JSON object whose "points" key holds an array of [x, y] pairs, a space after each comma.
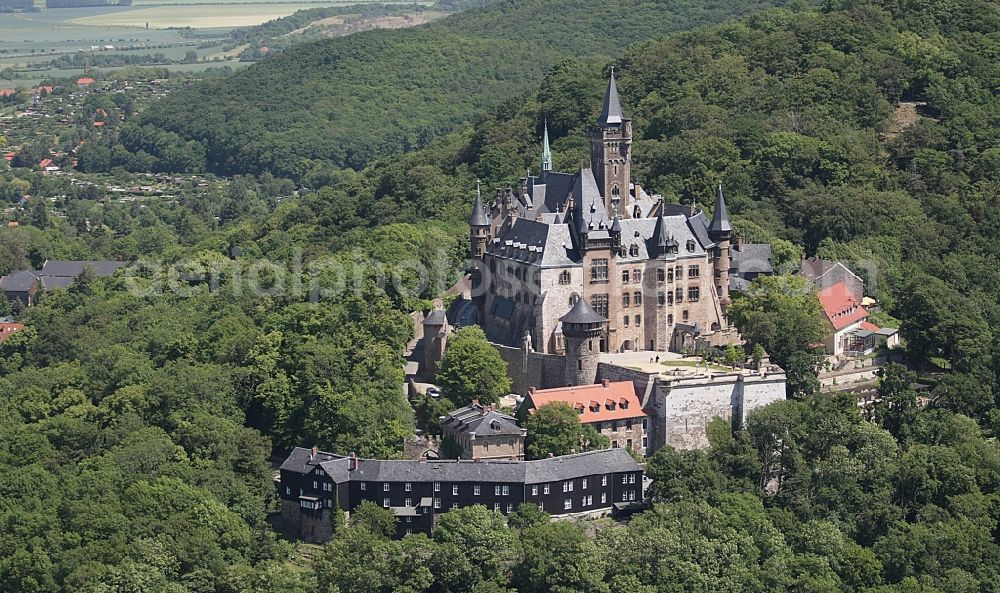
{"points": [[50, 283], [482, 421], [582, 313], [299, 460], [720, 217], [611, 111], [20, 281], [68, 268], [478, 216], [436, 317], [604, 461], [751, 258]]}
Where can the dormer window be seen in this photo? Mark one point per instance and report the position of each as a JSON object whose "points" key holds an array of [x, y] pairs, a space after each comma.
{"points": [[690, 245], [633, 250]]}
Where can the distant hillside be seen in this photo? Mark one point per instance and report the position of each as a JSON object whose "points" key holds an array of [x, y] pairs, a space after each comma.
{"points": [[344, 101]]}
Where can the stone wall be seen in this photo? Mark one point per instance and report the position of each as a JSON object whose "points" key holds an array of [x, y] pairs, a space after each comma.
{"points": [[683, 408], [310, 526], [532, 369]]}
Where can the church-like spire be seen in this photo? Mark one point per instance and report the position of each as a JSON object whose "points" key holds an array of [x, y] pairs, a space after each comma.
{"points": [[720, 228], [611, 113], [478, 217], [546, 151]]}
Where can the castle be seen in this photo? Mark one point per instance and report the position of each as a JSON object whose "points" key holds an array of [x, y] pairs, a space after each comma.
{"points": [[581, 263]]}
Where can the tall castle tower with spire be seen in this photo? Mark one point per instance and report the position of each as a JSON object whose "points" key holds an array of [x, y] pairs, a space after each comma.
{"points": [[611, 154], [584, 262]]}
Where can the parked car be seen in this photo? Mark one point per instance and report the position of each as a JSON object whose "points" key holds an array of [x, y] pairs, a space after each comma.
{"points": [[433, 392]]}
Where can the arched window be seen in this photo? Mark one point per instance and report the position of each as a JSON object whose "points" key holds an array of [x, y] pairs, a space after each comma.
{"points": [[633, 250], [564, 277], [690, 245], [573, 298], [614, 189]]}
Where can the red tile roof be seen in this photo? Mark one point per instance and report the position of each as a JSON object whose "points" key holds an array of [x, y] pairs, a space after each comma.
{"points": [[98, 124], [7, 329], [869, 326], [85, 81], [8, 92], [45, 163], [840, 306], [599, 403]]}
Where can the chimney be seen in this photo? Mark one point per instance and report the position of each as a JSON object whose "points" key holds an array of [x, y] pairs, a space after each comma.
{"points": [[475, 402], [605, 383], [313, 452], [739, 243], [551, 455], [531, 390], [353, 463]]}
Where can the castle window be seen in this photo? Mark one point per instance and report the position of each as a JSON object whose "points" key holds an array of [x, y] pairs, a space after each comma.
{"points": [[684, 315], [660, 276], [564, 277], [661, 298], [626, 321], [693, 293], [600, 304], [638, 320], [670, 275], [622, 252], [670, 297], [614, 190], [679, 272], [690, 245], [693, 271], [670, 319], [633, 250], [573, 298], [599, 269], [625, 276], [679, 295], [625, 300], [637, 274], [637, 298], [718, 290]]}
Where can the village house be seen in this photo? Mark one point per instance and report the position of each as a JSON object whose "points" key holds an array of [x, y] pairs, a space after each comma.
{"points": [[9, 329], [612, 408], [484, 433], [850, 332], [23, 285]]}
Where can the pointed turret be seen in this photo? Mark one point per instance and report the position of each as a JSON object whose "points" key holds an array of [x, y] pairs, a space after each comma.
{"points": [[478, 217], [557, 219], [720, 228], [546, 151], [611, 113]]}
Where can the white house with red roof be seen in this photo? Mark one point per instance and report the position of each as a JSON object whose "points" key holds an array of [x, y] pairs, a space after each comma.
{"points": [[850, 331], [611, 407]]}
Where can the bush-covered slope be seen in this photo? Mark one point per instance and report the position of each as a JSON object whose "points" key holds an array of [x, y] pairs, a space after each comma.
{"points": [[347, 100]]}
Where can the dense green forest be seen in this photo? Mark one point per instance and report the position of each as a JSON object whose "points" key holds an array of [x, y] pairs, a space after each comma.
{"points": [[346, 101], [137, 413]]}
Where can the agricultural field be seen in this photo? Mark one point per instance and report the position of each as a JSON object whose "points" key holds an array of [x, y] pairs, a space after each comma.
{"points": [[169, 29]]}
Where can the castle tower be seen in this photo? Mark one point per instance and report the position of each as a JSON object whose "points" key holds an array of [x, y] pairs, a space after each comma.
{"points": [[611, 153], [546, 151], [583, 330], [721, 231], [479, 228]]}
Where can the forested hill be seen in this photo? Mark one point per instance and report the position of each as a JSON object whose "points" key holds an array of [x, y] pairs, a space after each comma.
{"points": [[345, 101]]}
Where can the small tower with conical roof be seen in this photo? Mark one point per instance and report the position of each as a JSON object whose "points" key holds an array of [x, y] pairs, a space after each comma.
{"points": [[546, 151], [721, 232], [611, 153], [479, 228], [583, 329]]}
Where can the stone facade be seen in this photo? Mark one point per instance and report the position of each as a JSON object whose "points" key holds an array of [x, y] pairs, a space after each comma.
{"points": [[657, 272], [484, 433], [680, 407]]}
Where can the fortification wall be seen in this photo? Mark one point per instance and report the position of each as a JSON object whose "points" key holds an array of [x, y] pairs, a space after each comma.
{"points": [[533, 369]]}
